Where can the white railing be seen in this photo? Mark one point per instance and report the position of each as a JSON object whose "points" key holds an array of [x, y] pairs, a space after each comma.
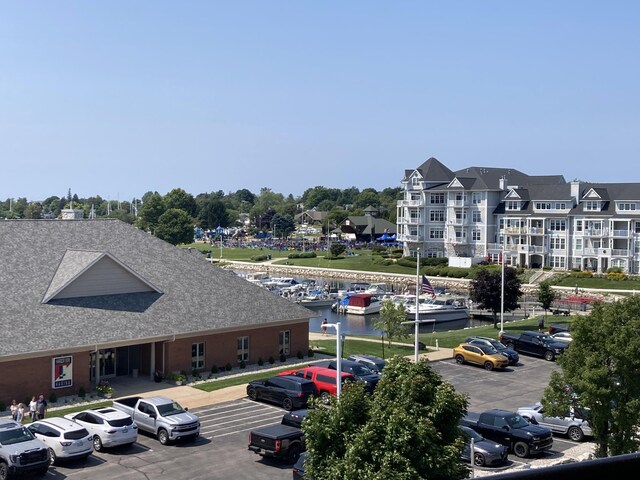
{"points": [[408, 238], [621, 233], [409, 203], [619, 252]]}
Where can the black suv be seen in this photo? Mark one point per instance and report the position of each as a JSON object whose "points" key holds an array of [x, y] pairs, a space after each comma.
{"points": [[376, 364], [287, 390], [359, 371]]}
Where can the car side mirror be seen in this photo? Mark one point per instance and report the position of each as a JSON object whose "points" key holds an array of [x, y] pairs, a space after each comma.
{"points": [[186, 409], [533, 420], [153, 415], [506, 428]]}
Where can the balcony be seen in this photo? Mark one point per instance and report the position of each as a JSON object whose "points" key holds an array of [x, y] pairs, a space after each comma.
{"points": [[457, 203], [595, 232], [620, 252], [409, 203], [412, 221], [538, 249], [457, 221], [515, 230], [621, 233], [536, 230], [408, 238]]}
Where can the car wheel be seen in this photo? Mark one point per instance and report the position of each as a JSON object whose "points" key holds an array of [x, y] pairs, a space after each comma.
{"points": [[287, 404], [521, 449], [459, 359], [510, 345], [325, 398], [488, 366], [52, 456], [576, 434], [548, 355], [163, 436], [294, 454], [253, 393], [478, 459], [4, 471], [97, 443]]}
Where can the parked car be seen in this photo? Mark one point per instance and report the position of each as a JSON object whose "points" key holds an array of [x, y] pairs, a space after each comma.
{"points": [[488, 357], [564, 337], [109, 427], [359, 371], [558, 328], [298, 468], [295, 418], [277, 441], [574, 423], [324, 379], [64, 438], [375, 364], [485, 452], [512, 355], [534, 343], [20, 451], [290, 391], [160, 416]]}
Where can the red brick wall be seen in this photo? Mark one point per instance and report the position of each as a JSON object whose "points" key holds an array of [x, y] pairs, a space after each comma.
{"points": [[21, 379]]}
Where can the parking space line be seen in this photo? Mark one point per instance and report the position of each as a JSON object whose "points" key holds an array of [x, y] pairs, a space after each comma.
{"points": [[262, 420], [240, 431]]}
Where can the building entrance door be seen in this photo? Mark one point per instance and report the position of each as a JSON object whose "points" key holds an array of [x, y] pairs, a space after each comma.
{"points": [[105, 360]]}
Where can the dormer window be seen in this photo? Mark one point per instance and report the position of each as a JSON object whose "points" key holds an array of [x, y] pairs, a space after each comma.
{"points": [[592, 206], [512, 205]]}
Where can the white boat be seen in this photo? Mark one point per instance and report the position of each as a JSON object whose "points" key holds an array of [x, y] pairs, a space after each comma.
{"points": [[379, 289], [317, 298], [439, 310], [363, 304]]}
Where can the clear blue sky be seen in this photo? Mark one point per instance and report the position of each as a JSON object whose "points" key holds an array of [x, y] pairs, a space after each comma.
{"points": [[121, 97]]}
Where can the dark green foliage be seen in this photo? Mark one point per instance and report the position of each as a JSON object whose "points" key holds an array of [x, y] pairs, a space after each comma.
{"points": [[486, 290], [175, 226], [260, 362], [310, 353], [53, 398], [600, 372], [214, 369], [412, 421], [379, 249], [390, 321], [243, 364], [81, 393], [259, 258], [302, 255], [300, 355], [337, 249], [546, 295], [272, 360], [3, 407], [283, 357], [228, 367]]}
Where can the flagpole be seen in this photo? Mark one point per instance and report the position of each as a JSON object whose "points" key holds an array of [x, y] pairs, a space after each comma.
{"points": [[417, 323]]}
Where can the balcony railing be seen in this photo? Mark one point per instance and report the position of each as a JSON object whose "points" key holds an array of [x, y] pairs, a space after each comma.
{"points": [[515, 230], [408, 238], [409, 203], [457, 221], [457, 203], [595, 232], [536, 230], [620, 252], [621, 233]]}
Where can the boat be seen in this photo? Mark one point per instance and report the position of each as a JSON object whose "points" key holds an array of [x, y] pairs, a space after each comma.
{"points": [[379, 289], [438, 310], [317, 298], [363, 304], [355, 287]]}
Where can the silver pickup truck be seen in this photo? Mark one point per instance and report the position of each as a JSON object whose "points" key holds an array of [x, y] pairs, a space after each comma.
{"points": [[160, 416]]}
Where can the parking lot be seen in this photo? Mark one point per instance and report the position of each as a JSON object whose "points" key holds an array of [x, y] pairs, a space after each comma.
{"points": [[221, 451]]}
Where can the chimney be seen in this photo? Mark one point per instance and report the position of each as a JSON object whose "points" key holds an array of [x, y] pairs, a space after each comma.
{"points": [[503, 183], [575, 190]]}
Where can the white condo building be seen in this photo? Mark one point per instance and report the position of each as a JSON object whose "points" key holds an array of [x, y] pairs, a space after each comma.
{"points": [[537, 221]]}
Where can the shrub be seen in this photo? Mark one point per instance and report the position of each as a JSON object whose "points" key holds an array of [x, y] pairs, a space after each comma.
{"points": [[616, 276], [81, 392], [53, 398], [243, 364], [214, 369], [260, 362], [259, 258], [300, 355], [310, 352], [272, 360], [228, 367], [3, 407], [283, 357], [195, 373], [302, 255]]}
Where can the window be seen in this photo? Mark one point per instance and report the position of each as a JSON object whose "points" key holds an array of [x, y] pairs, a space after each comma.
{"points": [[592, 206], [436, 215], [476, 236], [476, 198], [243, 349], [513, 205], [578, 244], [557, 262], [626, 206], [543, 206], [557, 225], [558, 243], [415, 180], [414, 215], [476, 216], [284, 342], [578, 225], [197, 355], [414, 196], [636, 227], [436, 198], [436, 233]]}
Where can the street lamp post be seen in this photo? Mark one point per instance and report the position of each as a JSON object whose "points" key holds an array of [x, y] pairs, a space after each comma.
{"points": [[338, 356], [417, 316]]}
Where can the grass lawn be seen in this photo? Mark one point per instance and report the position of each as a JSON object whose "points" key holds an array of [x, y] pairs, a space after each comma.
{"points": [[236, 253], [599, 283], [363, 261], [242, 379], [353, 345]]}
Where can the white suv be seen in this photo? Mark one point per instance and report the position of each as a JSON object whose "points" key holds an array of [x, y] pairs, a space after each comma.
{"points": [[64, 438], [108, 426], [20, 451]]}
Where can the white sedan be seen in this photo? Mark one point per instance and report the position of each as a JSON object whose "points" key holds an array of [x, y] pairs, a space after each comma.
{"points": [[109, 427], [564, 337]]}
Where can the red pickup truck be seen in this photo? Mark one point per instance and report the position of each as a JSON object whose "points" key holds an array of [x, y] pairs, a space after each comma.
{"points": [[324, 379]]}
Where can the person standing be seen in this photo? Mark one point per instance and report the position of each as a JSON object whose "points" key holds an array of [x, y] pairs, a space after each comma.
{"points": [[41, 407], [14, 409], [20, 414], [324, 327], [32, 408]]}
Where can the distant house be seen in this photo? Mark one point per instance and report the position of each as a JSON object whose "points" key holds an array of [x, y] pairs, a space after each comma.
{"points": [[365, 228], [84, 300], [311, 217]]}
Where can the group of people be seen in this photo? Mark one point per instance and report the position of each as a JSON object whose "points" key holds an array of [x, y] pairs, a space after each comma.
{"points": [[37, 409]]}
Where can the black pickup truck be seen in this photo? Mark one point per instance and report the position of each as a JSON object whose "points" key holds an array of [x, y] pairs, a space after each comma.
{"points": [[511, 430], [280, 441], [534, 343]]}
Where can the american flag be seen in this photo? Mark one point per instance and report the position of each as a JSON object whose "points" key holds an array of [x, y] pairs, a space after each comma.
{"points": [[426, 286]]}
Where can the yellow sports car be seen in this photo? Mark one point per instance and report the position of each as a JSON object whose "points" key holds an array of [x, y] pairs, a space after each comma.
{"points": [[483, 355]]}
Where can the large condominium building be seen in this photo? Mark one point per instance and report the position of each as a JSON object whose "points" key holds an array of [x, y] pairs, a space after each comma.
{"points": [[536, 221]]}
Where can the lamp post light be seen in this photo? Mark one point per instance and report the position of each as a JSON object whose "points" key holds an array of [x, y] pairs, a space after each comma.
{"points": [[338, 356], [417, 316]]}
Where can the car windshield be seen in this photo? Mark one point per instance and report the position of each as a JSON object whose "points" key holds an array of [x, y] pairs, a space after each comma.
{"points": [[517, 422], [487, 349], [472, 434], [17, 435], [361, 370], [168, 409], [546, 338], [497, 345]]}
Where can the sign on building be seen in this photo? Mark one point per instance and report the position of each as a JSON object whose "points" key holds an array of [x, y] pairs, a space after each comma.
{"points": [[62, 371]]}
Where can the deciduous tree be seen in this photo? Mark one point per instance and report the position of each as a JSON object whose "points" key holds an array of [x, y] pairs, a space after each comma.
{"points": [[175, 226], [600, 372], [486, 291], [390, 321], [546, 296], [407, 430]]}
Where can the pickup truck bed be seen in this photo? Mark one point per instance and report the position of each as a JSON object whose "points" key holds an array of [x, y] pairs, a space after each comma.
{"points": [[279, 441]]}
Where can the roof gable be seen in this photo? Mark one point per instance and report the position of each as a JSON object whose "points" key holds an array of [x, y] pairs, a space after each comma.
{"points": [[84, 273], [591, 193], [512, 194]]}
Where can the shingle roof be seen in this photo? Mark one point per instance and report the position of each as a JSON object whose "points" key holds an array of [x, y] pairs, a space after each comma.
{"points": [[192, 295]]}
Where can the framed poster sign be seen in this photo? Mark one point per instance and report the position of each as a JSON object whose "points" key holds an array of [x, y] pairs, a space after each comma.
{"points": [[62, 372]]}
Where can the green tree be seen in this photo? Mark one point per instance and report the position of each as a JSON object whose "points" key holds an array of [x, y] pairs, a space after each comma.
{"points": [[337, 249], [486, 291], [407, 430], [213, 213], [600, 372], [33, 210], [546, 296], [282, 225], [178, 198], [175, 226], [390, 321], [150, 211]]}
